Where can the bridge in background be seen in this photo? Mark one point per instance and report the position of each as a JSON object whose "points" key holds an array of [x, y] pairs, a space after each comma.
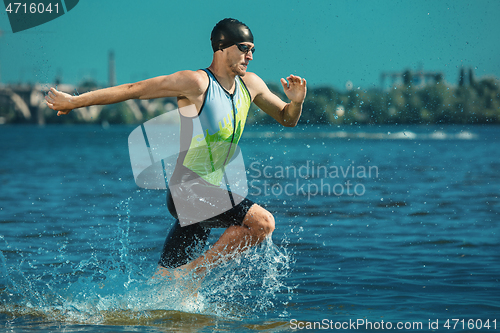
{"points": [[28, 103]]}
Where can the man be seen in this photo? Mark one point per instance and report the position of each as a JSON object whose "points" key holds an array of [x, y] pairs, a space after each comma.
{"points": [[222, 91]]}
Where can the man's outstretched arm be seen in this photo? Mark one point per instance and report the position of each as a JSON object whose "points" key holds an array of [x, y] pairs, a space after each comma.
{"points": [[287, 114], [185, 83]]}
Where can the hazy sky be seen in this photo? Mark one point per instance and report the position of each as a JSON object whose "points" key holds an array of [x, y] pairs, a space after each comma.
{"points": [[327, 42]]}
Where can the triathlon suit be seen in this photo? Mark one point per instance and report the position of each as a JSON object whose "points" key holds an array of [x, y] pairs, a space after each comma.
{"points": [[208, 142]]}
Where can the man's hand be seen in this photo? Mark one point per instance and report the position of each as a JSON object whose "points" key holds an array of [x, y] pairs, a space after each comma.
{"points": [[59, 101], [295, 88]]}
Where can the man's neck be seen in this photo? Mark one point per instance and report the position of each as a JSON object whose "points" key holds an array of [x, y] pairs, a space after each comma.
{"points": [[226, 79]]}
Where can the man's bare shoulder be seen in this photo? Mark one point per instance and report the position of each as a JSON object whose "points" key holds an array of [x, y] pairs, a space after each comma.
{"points": [[254, 83], [187, 82], [251, 79], [196, 78]]}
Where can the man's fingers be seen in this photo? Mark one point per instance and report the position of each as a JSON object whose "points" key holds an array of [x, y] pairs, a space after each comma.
{"points": [[49, 97], [50, 100], [284, 83], [295, 79], [53, 93]]}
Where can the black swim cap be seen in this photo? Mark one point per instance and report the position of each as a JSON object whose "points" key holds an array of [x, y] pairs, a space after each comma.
{"points": [[229, 32]]}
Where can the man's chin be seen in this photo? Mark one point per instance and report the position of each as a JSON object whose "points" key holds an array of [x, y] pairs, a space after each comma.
{"points": [[240, 72], [243, 71]]}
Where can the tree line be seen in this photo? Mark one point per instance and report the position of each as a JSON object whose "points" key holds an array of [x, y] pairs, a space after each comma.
{"points": [[470, 101]]}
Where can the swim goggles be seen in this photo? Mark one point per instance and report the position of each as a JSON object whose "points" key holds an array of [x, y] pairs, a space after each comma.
{"points": [[245, 48]]}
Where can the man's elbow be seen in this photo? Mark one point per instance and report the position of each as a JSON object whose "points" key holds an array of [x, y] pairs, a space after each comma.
{"points": [[134, 90], [290, 123]]}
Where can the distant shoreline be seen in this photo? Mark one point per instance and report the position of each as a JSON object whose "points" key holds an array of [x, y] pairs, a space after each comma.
{"points": [[408, 102]]}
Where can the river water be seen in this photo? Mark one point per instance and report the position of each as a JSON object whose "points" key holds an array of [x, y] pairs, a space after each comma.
{"points": [[379, 225]]}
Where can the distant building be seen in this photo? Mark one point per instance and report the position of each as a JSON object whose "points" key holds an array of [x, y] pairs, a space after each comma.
{"points": [[111, 69], [416, 79]]}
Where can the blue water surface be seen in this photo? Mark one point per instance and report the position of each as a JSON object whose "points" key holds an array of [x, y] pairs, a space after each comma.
{"points": [[374, 224]]}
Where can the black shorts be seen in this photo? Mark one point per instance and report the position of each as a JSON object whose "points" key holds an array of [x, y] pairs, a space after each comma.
{"points": [[186, 243]]}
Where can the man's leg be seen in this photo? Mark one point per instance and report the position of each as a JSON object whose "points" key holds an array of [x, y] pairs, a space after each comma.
{"points": [[183, 244], [257, 224]]}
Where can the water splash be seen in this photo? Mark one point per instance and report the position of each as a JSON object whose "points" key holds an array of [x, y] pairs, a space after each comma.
{"points": [[248, 285], [107, 284]]}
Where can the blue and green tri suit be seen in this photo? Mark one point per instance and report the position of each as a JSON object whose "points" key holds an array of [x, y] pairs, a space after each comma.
{"points": [[208, 142], [213, 133]]}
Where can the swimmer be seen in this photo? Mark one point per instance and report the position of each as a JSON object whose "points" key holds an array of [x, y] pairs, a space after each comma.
{"points": [[222, 91]]}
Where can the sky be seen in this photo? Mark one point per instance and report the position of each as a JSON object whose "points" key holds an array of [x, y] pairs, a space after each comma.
{"points": [[326, 42]]}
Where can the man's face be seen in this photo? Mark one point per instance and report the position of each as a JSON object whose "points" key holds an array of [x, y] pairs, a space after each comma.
{"points": [[238, 60]]}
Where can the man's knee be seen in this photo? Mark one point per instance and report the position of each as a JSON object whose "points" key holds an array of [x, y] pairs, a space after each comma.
{"points": [[259, 221], [268, 222]]}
